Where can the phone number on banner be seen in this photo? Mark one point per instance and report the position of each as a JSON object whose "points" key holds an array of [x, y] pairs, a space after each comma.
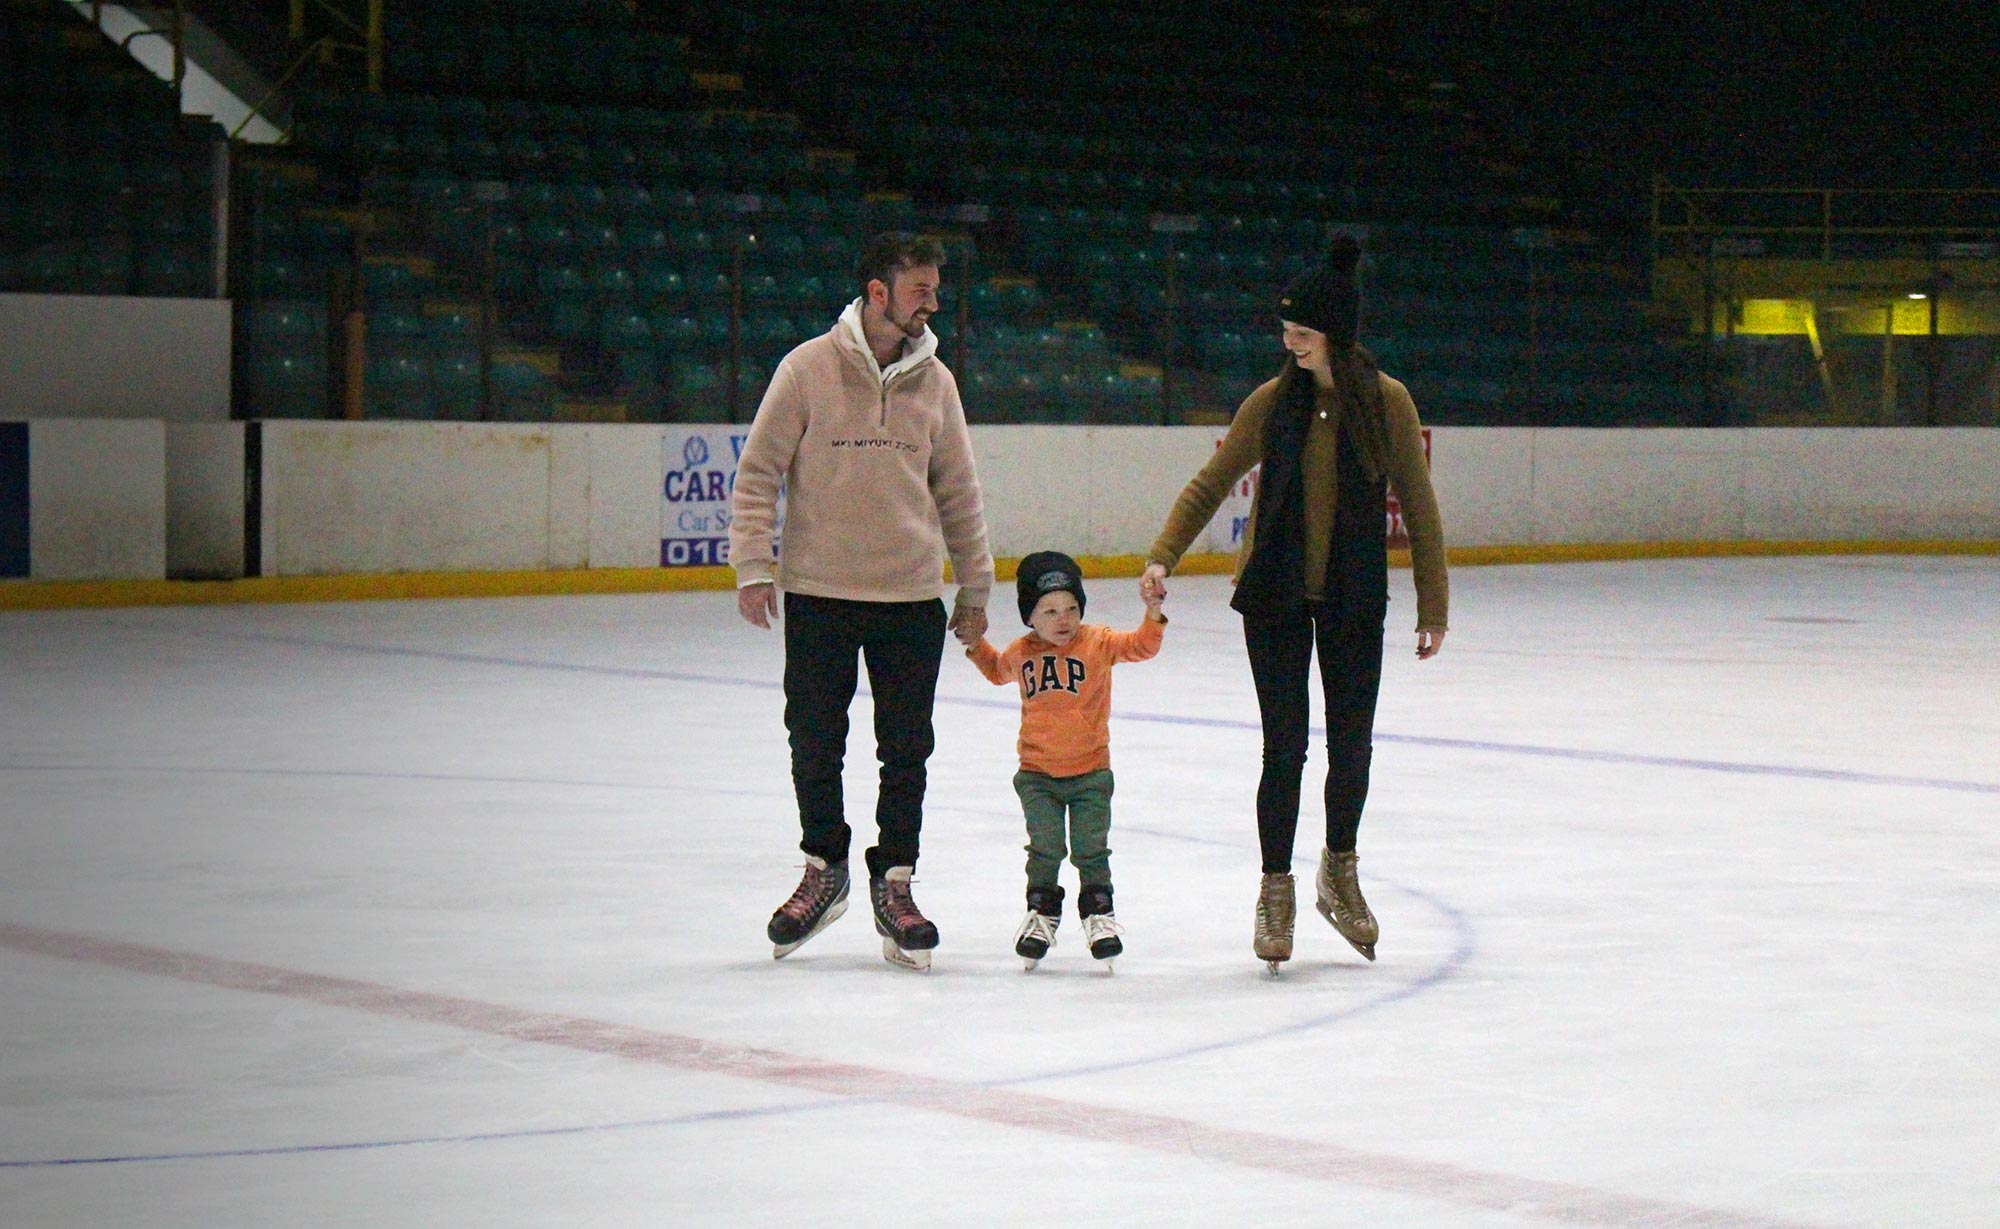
{"points": [[693, 552]]}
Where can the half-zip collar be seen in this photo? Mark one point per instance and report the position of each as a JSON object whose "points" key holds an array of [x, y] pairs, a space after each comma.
{"points": [[914, 352]]}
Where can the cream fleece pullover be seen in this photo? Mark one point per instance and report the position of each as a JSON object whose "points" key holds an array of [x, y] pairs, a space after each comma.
{"points": [[878, 475]]}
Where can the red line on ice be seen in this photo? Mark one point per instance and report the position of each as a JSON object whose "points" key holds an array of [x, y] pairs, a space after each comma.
{"points": [[1559, 1202]]}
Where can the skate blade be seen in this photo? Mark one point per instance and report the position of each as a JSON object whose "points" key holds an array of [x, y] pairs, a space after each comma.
{"points": [[919, 961], [1366, 949], [781, 950], [1275, 966], [1029, 964]]}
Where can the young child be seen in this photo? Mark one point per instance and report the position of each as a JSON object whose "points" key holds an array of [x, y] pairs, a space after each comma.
{"points": [[1064, 669]]}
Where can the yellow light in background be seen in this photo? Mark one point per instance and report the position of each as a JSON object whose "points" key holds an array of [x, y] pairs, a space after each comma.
{"points": [[1771, 317], [1910, 316]]}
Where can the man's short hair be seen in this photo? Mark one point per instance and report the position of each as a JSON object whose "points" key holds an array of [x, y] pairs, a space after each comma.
{"points": [[891, 252]]}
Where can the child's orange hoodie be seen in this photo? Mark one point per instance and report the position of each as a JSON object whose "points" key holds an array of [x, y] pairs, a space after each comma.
{"points": [[1066, 692]]}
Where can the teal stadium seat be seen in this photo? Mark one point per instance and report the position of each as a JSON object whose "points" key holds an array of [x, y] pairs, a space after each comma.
{"points": [[455, 383], [281, 275], [389, 282], [397, 386], [104, 268], [595, 235], [809, 297], [614, 290], [630, 331], [537, 196], [565, 300], [398, 330], [521, 393], [644, 239], [523, 157], [548, 234], [675, 333], [695, 391], [49, 270], [630, 201], [175, 271], [452, 327], [659, 285], [286, 384], [513, 276]]}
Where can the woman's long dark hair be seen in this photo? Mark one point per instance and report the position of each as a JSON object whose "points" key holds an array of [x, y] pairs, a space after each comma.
{"points": [[1357, 381]]}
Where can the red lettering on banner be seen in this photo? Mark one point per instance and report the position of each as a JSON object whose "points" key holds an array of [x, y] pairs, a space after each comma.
{"points": [[1398, 532]]}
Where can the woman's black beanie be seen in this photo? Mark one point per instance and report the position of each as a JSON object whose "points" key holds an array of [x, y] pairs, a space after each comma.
{"points": [[1328, 296]]}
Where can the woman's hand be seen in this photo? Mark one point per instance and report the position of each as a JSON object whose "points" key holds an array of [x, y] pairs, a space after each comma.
{"points": [[1153, 584], [1429, 641]]}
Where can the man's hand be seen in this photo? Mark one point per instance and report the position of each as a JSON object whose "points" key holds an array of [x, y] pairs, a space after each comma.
{"points": [[968, 623], [758, 603], [1429, 641], [1153, 584]]}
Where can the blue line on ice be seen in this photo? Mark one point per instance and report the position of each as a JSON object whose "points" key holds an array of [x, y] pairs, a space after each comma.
{"points": [[1684, 763]]}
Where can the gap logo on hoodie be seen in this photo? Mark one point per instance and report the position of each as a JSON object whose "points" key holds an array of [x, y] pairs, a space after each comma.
{"points": [[1051, 672]]}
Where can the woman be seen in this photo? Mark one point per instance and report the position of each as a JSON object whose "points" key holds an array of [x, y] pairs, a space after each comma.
{"points": [[1332, 434]]}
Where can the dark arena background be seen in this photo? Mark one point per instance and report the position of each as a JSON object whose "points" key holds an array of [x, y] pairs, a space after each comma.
{"points": [[596, 211], [394, 791]]}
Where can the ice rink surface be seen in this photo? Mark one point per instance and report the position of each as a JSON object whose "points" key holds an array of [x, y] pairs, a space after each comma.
{"points": [[451, 913]]}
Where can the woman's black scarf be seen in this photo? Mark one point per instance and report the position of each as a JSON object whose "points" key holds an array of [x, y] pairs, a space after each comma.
{"points": [[1273, 578]]}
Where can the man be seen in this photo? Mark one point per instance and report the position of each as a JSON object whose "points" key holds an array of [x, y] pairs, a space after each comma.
{"points": [[863, 428]]}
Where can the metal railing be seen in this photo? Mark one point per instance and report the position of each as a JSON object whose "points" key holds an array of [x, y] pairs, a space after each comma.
{"points": [[1811, 222]]}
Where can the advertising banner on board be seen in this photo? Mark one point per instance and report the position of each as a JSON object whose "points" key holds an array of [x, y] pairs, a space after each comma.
{"points": [[694, 509]]}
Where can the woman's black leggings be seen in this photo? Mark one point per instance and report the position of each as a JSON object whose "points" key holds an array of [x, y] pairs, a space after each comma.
{"points": [[1350, 671]]}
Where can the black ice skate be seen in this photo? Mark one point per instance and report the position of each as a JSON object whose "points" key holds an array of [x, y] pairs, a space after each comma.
{"points": [[907, 935], [1038, 930], [820, 898], [1100, 925]]}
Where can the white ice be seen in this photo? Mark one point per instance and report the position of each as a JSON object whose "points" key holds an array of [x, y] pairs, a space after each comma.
{"points": [[1686, 874]]}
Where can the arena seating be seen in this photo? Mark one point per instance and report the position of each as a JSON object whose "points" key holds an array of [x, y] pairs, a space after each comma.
{"points": [[1060, 126], [105, 188], [584, 208]]}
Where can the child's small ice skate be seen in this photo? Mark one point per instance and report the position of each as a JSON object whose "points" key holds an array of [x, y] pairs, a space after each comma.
{"points": [[1038, 930], [1100, 926]]}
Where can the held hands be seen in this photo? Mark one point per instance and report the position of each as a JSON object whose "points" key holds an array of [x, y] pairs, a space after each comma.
{"points": [[968, 623], [758, 603], [1429, 641]]}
